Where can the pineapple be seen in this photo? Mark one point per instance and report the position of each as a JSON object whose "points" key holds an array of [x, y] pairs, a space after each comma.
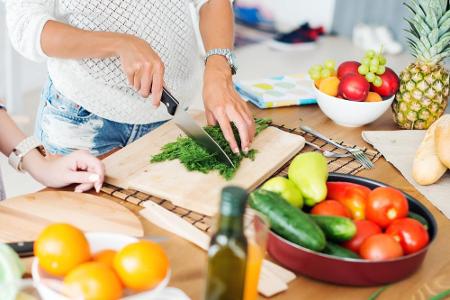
{"points": [[424, 84]]}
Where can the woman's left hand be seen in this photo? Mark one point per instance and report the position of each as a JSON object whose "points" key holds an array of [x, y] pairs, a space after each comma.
{"points": [[223, 104]]}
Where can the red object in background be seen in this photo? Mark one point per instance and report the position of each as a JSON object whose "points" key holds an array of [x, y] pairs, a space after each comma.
{"points": [[389, 86], [353, 196], [331, 208], [386, 204], [380, 247], [347, 67], [364, 229], [354, 87], [410, 233]]}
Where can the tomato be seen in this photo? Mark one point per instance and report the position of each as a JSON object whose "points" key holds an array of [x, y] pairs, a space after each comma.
{"points": [[364, 229], [141, 265], [331, 208], [94, 281], [380, 247], [60, 248], [386, 204], [351, 195], [410, 233]]}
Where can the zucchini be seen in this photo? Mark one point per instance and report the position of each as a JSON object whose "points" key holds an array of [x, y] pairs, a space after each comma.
{"points": [[419, 218], [336, 250], [288, 221], [336, 229]]}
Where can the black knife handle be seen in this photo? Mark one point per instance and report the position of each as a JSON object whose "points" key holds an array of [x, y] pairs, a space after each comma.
{"points": [[24, 249], [169, 101]]}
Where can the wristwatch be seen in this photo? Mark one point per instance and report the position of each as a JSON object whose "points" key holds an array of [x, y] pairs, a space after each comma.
{"points": [[228, 54], [22, 149]]}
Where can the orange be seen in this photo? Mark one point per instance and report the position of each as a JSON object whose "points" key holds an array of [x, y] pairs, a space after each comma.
{"points": [[317, 82], [105, 257], [373, 97], [94, 281], [141, 265], [60, 248], [329, 86]]}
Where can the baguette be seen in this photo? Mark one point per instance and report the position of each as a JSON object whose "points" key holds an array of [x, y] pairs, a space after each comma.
{"points": [[442, 140], [427, 167]]}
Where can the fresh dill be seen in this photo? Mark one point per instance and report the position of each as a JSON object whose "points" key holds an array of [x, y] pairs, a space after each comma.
{"points": [[196, 158]]}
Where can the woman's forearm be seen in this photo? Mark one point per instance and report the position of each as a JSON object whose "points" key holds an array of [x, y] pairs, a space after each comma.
{"points": [[64, 41], [10, 134], [217, 27]]}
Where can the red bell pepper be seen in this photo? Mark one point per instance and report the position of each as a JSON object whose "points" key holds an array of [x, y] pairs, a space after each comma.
{"points": [[351, 195]]}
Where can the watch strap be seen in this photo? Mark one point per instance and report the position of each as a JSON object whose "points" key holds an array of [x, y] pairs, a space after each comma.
{"points": [[22, 149], [227, 53]]}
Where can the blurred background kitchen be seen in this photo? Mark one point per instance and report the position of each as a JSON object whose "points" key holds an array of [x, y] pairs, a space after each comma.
{"points": [[295, 33]]}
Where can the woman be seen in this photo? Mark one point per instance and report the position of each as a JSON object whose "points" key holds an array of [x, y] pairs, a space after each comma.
{"points": [[107, 58], [79, 167]]}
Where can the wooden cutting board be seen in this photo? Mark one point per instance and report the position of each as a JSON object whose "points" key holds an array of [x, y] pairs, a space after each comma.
{"points": [[24, 217], [130, 168]]}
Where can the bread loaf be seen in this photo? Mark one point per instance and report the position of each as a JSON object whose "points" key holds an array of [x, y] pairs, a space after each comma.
{"points": [[442, 140], [427, 167]]}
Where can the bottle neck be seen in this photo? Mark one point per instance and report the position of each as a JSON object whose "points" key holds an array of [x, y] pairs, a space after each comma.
{"points": [[231, 225]]}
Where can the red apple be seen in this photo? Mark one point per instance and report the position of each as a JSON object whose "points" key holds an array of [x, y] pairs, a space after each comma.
{"points": [[354, 87], [347, 67], [389, 86]]}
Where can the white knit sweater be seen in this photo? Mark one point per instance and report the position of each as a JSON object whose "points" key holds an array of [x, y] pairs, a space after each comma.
{"points": [[99, 85]]}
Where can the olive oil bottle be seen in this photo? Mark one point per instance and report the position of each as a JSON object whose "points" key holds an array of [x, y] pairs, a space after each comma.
{"points": [[227, 254]]}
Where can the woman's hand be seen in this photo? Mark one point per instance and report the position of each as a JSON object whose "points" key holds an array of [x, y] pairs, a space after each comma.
{"points": [[79, 167], [224, 105], [143, 67]]}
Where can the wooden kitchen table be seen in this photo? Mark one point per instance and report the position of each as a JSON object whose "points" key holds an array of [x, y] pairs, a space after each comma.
{"points": [[189, 262]]}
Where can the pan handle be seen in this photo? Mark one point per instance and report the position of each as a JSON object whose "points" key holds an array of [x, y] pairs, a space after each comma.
{"points": [[169, 101]]}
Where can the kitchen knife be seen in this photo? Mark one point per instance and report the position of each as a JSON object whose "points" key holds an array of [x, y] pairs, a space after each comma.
{"points": [[192, 129], [24, 249]]}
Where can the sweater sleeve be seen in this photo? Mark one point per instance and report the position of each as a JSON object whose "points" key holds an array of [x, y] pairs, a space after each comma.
{"points": [[25, 20]]}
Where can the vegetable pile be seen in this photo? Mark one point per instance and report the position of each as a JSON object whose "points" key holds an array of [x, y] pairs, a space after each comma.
{"points": [[342, 218], [196, 158]]}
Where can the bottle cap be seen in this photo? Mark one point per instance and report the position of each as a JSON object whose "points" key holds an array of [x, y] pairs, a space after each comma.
{"points": [[234, 201]]}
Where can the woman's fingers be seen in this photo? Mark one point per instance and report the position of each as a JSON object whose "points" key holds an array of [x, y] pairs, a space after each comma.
{"points": [[146, 82], [235, 116], [84, 187], [157, 83], [137, 80], [225, 126]]}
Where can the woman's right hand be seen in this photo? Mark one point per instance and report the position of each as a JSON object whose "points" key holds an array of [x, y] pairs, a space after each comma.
{"points": [[143, 67]]}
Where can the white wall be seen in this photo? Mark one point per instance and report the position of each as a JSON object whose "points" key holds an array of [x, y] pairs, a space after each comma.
{"points": [[18, 76]]}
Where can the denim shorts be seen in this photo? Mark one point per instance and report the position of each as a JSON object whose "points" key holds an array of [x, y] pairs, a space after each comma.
{"points": [[64, 126]]}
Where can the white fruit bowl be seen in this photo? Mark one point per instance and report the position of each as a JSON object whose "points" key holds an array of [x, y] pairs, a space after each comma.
{"points": [[351, 113], [48, 286]]}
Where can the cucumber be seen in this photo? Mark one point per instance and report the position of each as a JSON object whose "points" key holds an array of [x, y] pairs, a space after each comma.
{"points": [[419, 218], [336, 250], [288, 221], [336, 229]]}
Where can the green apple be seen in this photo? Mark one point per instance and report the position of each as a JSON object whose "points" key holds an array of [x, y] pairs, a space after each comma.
{"points": [[286, 188]]}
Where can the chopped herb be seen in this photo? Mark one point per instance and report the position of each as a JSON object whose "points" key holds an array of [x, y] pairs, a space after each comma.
{"points": [[195, 158]]}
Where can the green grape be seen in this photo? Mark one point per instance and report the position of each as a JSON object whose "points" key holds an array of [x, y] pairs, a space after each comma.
{"points": [[363, 69], [377, 81], [373, 68], [382, 59], [325, 73], [317, 67], [330, 64], [370, 77], [370, 53], [365, 61], [380, 70], [375, 61], [315, 75]]}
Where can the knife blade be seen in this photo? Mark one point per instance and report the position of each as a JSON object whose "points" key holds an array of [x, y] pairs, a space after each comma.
{"points": [[23, 249], [185, 122]]}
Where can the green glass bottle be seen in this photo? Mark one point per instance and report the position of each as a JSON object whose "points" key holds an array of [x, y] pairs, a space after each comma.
{"points": [[227, 254]]}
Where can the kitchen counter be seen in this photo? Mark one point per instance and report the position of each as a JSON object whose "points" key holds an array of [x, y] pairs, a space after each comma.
{"points": [[189, 262]]}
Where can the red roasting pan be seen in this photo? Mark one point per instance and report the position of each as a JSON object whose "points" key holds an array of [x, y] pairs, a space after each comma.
{"points": [[347, 271]]}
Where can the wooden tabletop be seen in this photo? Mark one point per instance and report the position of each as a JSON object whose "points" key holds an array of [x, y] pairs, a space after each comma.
{"points": [[189, 262]]}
